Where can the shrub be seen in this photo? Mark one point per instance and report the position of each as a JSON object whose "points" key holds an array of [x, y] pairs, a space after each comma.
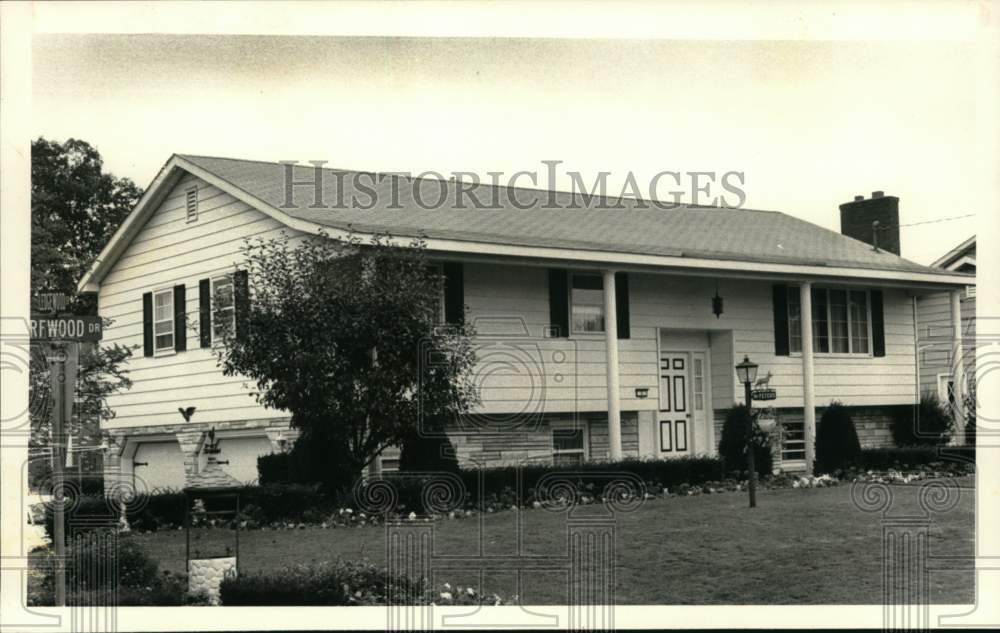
{"points": [[969, 404], [837, 444], [927, 424], [428, 453], [274, 469], [732, 444], [910, 456], [138, 582], [337, 583]]}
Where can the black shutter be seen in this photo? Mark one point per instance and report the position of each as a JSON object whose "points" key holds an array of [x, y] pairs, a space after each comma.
{"points": [[621, 305], [559, 302], [180, 318], [780, 296], [205, 312], [241, 299], [878, 324], [454, 293], [147, 324]]}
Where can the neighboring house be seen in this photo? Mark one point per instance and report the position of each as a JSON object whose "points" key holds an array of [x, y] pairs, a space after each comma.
{"points": [[597, 334], [935, 327]]}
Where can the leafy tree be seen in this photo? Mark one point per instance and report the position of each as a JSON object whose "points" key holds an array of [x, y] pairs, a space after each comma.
{"points": [[345, 335], [75, 208]]}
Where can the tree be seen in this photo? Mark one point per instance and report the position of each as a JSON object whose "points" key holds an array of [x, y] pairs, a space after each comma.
{"points": [[344, 335], [75, 208]]}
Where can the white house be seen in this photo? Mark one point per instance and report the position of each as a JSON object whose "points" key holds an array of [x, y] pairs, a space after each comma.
{"points": [[936, 317], [597, 333]]}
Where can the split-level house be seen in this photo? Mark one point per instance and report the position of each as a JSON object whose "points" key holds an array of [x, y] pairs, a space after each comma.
{"points": [[937, 314], [605, 327]]}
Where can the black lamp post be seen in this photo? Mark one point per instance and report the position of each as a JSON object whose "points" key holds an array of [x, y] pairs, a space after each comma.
{"points": [[747, 373]]}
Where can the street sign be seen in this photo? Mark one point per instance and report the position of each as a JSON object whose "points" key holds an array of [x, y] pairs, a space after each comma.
{"points": [[764, 394], [65, 328], [50, 302]]}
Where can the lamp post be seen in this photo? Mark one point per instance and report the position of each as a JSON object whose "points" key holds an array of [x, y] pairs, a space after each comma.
{"points": [[747, 373]]}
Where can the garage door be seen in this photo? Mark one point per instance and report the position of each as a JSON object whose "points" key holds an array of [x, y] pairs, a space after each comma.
{"points": [[158, 466], [242, 454]]}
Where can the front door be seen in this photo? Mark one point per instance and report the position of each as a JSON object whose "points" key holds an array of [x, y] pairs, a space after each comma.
{"points": [[675, 406]]}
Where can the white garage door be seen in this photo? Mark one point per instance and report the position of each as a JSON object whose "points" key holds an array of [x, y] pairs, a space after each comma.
{"points": [[242, 454], [158, 466]]}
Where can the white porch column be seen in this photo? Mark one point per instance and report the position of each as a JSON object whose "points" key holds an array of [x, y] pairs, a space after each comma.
{"points": [[808, 378], [958, 367], [611, 354]]}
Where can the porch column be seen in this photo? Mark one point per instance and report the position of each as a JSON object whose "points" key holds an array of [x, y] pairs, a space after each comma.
{"points": [[958, 367], [808, 379], [611, 354]]}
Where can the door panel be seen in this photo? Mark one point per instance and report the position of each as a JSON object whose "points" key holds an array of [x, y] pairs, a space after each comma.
{"points": [[674, 403], [158, 466]]}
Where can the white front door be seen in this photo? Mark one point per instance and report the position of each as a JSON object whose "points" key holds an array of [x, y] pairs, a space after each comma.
{"points": [[675, 405]]}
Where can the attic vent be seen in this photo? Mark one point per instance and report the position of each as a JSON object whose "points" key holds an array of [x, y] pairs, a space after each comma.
{"points": [[192, 204]]}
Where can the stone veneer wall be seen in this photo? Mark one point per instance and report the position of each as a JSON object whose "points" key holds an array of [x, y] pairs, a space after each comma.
{"points": [[189, 436], [533, 442], [873, 423], [205, 575]]}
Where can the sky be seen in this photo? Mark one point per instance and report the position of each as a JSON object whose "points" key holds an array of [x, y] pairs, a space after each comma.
{"points": [[810, 124]]}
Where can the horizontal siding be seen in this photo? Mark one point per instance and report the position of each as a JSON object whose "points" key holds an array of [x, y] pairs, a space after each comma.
{"points": [[169, 251], [519, 370], [936, 334]]}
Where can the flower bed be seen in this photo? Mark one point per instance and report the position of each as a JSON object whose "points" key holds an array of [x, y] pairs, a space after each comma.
{"points": [[343, 583]]}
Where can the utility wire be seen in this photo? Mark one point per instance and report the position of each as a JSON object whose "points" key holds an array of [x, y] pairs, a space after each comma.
{"points": [[898, 226]]}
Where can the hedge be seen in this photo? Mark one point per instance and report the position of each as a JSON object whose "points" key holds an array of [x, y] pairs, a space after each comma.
{"points": [[337, 583], [915, 456]]}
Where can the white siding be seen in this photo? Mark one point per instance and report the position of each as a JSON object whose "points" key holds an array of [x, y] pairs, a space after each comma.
{"points": [[169, 251], [520, 370]]}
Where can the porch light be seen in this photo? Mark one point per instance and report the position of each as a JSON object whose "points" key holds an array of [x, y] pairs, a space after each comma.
{"points": [[746, 371], [642, 392], [717, 302]]}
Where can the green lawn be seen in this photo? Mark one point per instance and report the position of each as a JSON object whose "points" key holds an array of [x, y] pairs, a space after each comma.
{"points": [[797, 547]]}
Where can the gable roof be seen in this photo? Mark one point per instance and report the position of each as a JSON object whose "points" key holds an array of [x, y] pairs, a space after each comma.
{"points": [[525, 222], [953, 258]]}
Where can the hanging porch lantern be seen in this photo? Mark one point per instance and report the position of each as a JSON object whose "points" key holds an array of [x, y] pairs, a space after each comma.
{"points": [[717, 302]]}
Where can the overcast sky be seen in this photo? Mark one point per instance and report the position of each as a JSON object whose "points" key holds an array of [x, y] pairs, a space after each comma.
{"points": [[811, 124]]}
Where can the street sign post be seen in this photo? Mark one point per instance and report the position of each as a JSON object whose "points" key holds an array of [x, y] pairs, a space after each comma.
{"points": [[63, 333], [80, 329]]}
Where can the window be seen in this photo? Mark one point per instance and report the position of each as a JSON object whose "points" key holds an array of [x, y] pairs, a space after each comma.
{"points": [[587, 301], [163, 320], [567, 446], [793, 442], [224, 311], [192, 204], [840, 321]]}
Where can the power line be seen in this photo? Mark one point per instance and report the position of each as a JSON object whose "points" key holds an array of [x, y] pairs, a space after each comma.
{"points": [[899, 226]]}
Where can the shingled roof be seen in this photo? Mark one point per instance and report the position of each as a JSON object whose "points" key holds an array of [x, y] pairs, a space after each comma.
{"points": [[602, 224]]}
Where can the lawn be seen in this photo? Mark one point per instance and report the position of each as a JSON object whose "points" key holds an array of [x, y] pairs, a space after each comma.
{"points": [[797, 547]]}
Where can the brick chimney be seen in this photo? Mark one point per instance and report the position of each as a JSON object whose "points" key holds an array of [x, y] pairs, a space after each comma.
{"points": [[857, 220]]}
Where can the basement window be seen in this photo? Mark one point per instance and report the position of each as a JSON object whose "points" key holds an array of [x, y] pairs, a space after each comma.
{"points": [[192, 204], [568, 446]]}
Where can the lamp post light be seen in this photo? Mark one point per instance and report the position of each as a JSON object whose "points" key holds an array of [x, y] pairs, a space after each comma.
{"points": [[747, 374]]}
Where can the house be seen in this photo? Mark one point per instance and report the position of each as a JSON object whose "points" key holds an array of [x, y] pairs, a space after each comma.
{"points": [[935, 322], [606, 327]]}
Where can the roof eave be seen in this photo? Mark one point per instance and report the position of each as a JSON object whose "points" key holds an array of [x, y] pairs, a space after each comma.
{"points": [[163, 181]]}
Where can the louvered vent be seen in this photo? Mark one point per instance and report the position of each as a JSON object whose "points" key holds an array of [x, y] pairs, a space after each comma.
{"points": [[192, 204]]}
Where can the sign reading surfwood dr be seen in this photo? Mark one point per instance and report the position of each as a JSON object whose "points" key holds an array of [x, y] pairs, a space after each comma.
{"points": [[65, 328]]}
